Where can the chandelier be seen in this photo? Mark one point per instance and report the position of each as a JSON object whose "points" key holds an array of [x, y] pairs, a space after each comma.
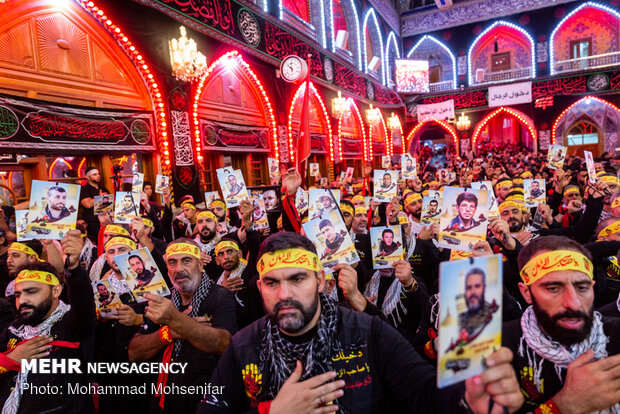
{"points": [[187, 62], [463, 122], [338, 105], [393, 122], [372, 115]]}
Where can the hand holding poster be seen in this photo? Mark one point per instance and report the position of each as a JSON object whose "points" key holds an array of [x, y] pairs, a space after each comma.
{"points": [[107, 300], [53, 209], [556, 156], [470, 317], [141, 273], [408, 167], [465, 218], [233, 186], [535, 192], [387, 246], [21, 224], [103, 204], [161, 182], [385, 187], [126, 207], [590, 167], [259, 214]]}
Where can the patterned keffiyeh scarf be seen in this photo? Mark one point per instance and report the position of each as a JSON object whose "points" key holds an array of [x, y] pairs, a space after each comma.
{"points": [[392, 307]]}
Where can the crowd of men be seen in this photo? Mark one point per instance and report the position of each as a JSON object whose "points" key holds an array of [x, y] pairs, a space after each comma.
{"points": [[253, 315]]}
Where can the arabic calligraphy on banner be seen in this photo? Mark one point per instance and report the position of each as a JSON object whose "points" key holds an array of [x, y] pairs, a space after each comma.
{"points": [[436, 112], [516, 93], [465, 100], [215, 13]]}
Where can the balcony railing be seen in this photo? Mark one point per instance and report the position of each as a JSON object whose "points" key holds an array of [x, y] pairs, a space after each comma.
{"points": [[442, 86], [588, 62], [504, 75]]}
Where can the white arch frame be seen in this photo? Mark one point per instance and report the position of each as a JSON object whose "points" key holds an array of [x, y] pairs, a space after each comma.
{"points": [[357, 30], [371, 12], [321, 29], [568, 16], [446, 48], [391, 38], [487, 30]]}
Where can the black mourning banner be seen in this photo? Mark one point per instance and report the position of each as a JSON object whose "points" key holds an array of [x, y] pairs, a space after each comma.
{"points": [[29, 126]]}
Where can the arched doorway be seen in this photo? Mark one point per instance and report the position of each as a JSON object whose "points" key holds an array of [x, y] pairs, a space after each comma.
{"points": [[233, 122], [373, 47], [321, 149], [353, 146], [57, 53], [435, 133], [506, 126], [441, 63], [595, 114], [380, 143]]}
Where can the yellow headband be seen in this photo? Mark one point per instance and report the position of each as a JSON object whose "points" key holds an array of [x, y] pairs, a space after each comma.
{"points": [[358, 198], [527, 175], [598, 174], [571, 190], [20, 247], [345, 208], [517, 189], [616, 202], [508, 204], [225, 244], [613, 228], [433, 183], [612, 179], [37, 276], [121, 240], [183, 248], [412, 198], [112, 228], [188, 204], [218, 203], [403, 220], [518, 181], [555, 261], [503, 183], [147, 222], [287, 258], [458, 255], [206, 214], [360, 210]]}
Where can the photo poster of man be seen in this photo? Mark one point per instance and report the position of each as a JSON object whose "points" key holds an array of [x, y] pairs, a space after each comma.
{"points": [[314, 169], [274, 169], [470, 317], [141, 274], [492, 203], [161, 182], [211, 196], [590, 166], [259, 213], [21, 224], [465, 218], [535, 192], [271, 196], [232, 186], [301, 201], [408, 166], [107, 300], [103, 204], [431, 210], [53, 209], [385, 187], [386, 162], [349, 174], [387, 246], [332, 240], [556, 156], [321, 201], [126, 206], [137, 183]]}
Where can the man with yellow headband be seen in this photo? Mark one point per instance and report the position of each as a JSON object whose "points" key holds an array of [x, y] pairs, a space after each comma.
{"points": [[48, 328], [299, 358], [207, 238], [502, 188], [413, 207], [22, 253], [565, 353], [194, 326], [221, 212]]}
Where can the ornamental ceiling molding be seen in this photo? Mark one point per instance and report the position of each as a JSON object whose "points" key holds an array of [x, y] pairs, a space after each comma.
{"points": [[468, 12], [388, 12]]}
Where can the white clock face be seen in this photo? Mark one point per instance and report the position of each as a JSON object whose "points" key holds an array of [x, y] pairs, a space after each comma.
{"points": [[291, 69]]}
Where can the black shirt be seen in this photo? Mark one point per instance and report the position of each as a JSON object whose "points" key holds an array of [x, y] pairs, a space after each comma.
{"points": [[88, 191]]}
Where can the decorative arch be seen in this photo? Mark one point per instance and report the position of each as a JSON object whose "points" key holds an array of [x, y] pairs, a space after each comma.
{"points": [[391, 44], [353, 27], [421, 127], [398, 130], [605, 115], [523, 119], [428, 43], [122, 67], [602, 26], [320, 114], [376, 40], [352, 107], [480, 50], [233, 62], [380, 129]]}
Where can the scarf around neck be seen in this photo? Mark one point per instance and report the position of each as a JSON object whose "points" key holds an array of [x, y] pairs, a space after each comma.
{"points": [[392, 307]]}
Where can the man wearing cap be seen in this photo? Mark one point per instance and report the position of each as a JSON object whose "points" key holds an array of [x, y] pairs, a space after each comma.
{"points": [[48, 328], [88, 192], [299, 358], [565, 353], [194, 326], [328, 206]]}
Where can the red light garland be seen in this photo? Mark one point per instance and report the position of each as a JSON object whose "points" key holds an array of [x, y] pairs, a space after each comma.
{"points": [[525, 120], [421, 125], [146, 74], [225, 59], [559, 118], [314, 92], [351, 103], [400, 127]]}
